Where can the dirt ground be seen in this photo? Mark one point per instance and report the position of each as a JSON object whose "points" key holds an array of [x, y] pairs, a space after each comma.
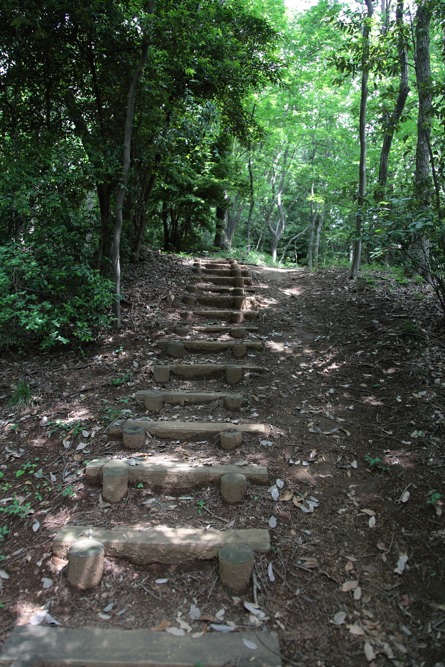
{"points": [[353, 398]]}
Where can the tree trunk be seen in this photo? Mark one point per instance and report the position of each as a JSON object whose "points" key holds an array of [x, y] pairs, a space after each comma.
{"points": [[419, 247], [220, 232], [122, 188], [251, 202], [140, 231], [357, 245], [394, 117]]}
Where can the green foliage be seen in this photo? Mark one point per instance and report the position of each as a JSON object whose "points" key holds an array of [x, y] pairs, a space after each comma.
{"points": [[433, 497], [21, 396], [16, 509], [375, 463], [411, 334], [48, 297]]}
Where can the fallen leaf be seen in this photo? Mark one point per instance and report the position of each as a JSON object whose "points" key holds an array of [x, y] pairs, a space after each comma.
{"points": [[405, 497], [161, 581], [254, 610], [4, 575], [108, 608], [349, 586], [349, 566], [104, 617], [369, 651], [356, 629], [368, 512], [221, 628], [249, 644], [401, 564], [274, 493], [371, 522], [163, 625], [357, 593], [286, 495], [46, 582], [270, 573], [176, 632], [35, 526], [339, 618], [273, 522], [194, 613]]}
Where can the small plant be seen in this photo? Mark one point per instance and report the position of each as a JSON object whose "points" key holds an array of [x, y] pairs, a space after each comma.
{"points": [[374, 462], [21, 396], [140, 485], [434, 498], [200, 506], [29, 466], [68, 428], [16, 509], [122, 379], [68, 492], [411, 334], [4, 530]]}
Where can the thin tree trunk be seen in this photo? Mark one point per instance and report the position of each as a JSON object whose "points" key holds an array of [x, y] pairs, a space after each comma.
{"points": [[251, 202], [122, 188], [357, 245], [419, 247], [137, 243], [320, 221], [398, 107], [220, 231]]}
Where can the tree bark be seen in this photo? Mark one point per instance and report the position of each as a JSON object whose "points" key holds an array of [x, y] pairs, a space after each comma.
{"points": [[122, 188], [357, 245], [398, 107], [220, 231], [419, 247]]}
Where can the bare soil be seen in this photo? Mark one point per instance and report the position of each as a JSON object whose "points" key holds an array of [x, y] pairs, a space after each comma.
{"points": [[353, 395]]}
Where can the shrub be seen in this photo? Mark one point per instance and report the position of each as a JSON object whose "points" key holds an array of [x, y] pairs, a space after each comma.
{"points": [[48, 296]]}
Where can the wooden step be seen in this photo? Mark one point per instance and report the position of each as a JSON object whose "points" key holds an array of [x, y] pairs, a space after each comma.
{"points": [[218, 301], [220, 289], [181, 475], [234, 332], [114, 647], [233, 373], [220, 280], [177, 348], [154, 400], [177, 429], [229, 315], [219, 273], [161, 544]]}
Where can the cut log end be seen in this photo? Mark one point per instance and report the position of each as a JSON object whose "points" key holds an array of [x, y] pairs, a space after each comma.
{"points": [[236, 566]]}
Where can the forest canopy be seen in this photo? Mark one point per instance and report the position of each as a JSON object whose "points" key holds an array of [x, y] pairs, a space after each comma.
{"points": [[311, 138]]}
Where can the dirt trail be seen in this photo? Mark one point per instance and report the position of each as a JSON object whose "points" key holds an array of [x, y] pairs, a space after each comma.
{"points": [[353, 398]]}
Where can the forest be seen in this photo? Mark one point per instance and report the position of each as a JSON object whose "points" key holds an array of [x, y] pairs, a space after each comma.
{"points": [[311, 138]]}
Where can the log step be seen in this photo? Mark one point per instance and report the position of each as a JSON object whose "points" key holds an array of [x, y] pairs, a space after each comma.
{"points": [[230, 315], [161, 544], [221, 280], [232, 373], [114, 647], [216, 288], [154, 400], [218, 301], [181, 475], [219, 273], [177, 348], [234, 332], [177, 429]]}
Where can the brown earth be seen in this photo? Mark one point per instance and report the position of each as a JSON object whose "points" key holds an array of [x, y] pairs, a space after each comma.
{"points": [[353, 396]]}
